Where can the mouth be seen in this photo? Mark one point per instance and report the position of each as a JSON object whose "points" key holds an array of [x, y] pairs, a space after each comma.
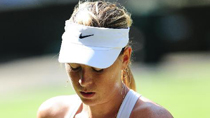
{"points": [[87, 94]]}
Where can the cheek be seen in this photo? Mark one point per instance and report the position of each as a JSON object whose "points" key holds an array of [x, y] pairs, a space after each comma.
{"points": [[74, 77], [116, 78], [113, 79]]}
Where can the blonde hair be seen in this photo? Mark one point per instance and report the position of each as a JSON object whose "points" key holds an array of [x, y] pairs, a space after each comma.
{"points": [[108, 15]]}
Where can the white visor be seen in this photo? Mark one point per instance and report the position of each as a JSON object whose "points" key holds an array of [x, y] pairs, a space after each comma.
{"points": [[93, 46]]}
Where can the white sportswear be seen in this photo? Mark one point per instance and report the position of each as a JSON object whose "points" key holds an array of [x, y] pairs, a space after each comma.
{"points": [[125, 108]]}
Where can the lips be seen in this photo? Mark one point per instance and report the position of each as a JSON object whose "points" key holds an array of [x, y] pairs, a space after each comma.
{"points": [[87, 94]]}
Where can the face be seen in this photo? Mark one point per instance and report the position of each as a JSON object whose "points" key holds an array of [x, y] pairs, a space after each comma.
{"points": [[94, 85]]}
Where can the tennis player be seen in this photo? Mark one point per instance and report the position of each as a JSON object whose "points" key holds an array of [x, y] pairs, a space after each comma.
{"points": [[96, 55]]}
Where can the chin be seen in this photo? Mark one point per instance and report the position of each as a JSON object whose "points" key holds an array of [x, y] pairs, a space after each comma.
{"points": [[89, 102]]}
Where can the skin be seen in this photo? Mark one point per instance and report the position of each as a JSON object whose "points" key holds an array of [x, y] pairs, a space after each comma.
{"points": [[109, 92]]}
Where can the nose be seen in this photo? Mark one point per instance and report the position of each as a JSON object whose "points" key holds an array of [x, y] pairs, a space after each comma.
{"points": [[85, 78]]}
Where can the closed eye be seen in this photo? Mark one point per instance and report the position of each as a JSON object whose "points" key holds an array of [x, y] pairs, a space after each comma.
{"points": [[75, 69], [97, 69]]}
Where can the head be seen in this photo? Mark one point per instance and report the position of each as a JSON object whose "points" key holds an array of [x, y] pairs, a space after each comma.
{"points": [[103, 79]]}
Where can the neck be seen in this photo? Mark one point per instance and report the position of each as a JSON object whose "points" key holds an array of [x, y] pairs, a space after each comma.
{"points": [[108, 109]]}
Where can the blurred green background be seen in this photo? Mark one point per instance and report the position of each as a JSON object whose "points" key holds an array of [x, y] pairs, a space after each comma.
{"points": [[181, 84], [171, 42]]}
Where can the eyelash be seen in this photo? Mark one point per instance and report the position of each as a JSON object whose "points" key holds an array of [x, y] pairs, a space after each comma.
{"points": [[101, 70], [75, 69], [78, 68]]}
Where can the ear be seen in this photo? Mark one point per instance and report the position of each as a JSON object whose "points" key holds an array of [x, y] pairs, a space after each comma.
{"points": [[126, 57]]}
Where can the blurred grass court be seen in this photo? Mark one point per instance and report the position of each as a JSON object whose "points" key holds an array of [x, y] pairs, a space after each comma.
{"points": [[180, 83]]}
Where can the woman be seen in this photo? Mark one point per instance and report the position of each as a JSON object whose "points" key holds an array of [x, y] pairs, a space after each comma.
{"points": [[96, 54]]}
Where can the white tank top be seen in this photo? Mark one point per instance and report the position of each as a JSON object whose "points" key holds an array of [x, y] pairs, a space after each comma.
{"points": [[125, 108]]}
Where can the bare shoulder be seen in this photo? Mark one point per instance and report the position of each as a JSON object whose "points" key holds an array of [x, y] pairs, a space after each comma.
{"points": [[145, 108], [56, 107]]}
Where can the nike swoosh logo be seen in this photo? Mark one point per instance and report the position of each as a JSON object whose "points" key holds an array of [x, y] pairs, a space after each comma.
{"points": [[85, 36]]}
